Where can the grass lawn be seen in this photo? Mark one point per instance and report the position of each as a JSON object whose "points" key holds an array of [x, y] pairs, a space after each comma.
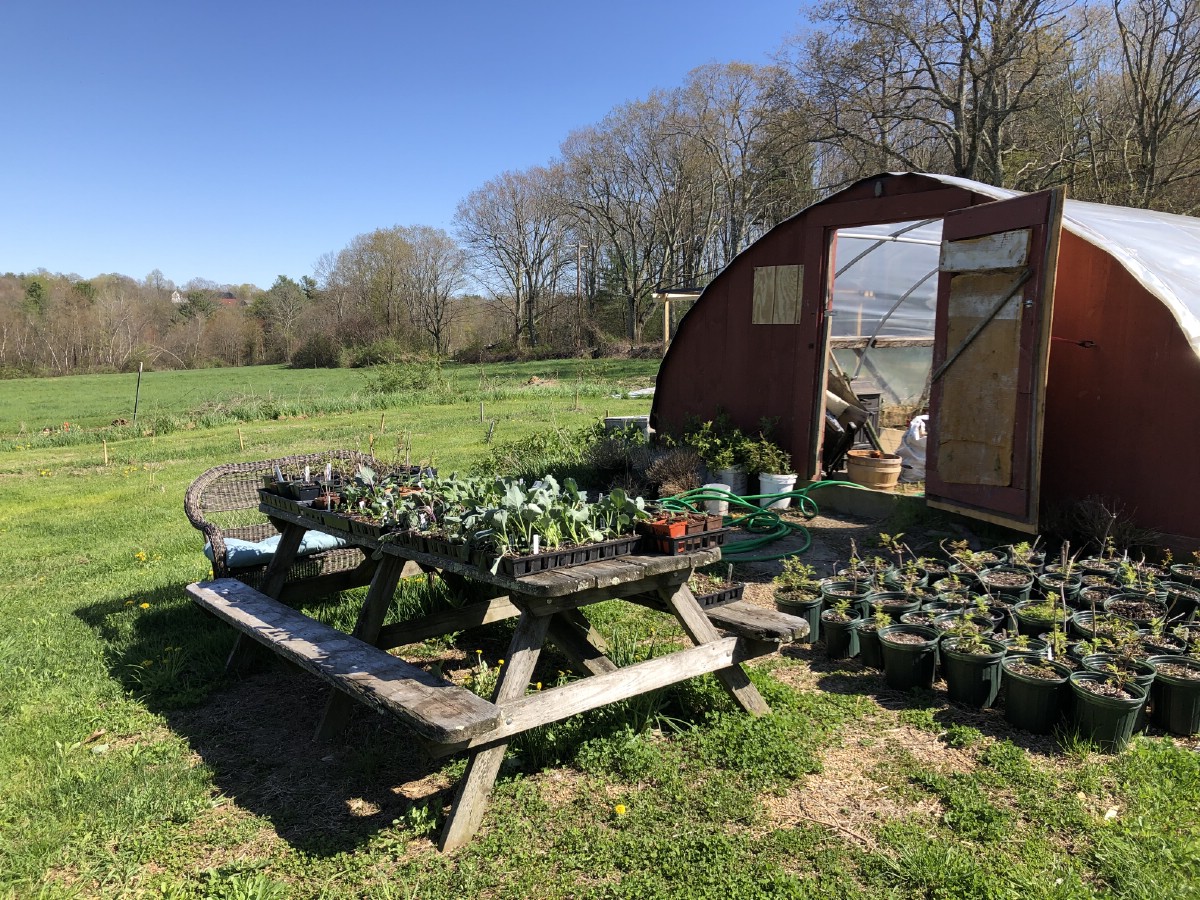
{"points": [[130, 766]]}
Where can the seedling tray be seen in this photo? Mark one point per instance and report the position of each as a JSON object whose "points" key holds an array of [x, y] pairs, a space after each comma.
{"points": [[731, 594], [691, 543], [520, 566]]}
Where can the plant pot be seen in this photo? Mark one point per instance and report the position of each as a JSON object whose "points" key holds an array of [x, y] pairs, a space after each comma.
{"points": [[865, 467], [1138, 608], [1008, 582], [1054, 584], [1182, 599], [735, 477], [894, 579], [803, 607], [1032, 647], [1082, 625], [894, 603], [856, 592], [1185, 573], [841, 638], [947, 621], [870, 652], [1033, 625], [1141, 672], [775, 484], [1034, 704], [1175, 699], [909, 656], [972, 679], [1107, 720]]}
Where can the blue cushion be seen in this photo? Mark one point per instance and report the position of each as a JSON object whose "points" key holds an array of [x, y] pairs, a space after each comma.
{"points": [[239, 553]]}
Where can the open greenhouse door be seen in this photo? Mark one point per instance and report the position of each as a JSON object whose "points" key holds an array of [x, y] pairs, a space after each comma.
{"points": [[991, 346]]}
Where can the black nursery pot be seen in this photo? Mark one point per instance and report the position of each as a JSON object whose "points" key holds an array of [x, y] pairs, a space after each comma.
{"points": [[870, 652], [1175, 701], [972, 679], [841, 638], [1109, 721], [1033, 704], [807, 608], [909, 664]]}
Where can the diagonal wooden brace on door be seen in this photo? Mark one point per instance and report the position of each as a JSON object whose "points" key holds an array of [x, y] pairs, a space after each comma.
{"points": [[978, 329]]}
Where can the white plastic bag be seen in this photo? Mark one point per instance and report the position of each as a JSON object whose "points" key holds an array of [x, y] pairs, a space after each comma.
{"points": [[912, 450]]}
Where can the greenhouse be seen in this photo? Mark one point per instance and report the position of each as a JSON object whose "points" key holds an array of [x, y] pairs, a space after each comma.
{"points": [[1046, 337]]}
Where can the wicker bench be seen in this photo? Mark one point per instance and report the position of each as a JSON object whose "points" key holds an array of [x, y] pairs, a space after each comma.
{"points": [[223, 503]]}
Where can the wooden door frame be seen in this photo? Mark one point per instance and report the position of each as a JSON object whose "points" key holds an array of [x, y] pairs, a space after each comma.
{"points": [[1014, 505]]}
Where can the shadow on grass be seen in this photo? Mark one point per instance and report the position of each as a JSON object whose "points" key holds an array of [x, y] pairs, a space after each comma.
{"points": [[256, 734], [929, 710]]}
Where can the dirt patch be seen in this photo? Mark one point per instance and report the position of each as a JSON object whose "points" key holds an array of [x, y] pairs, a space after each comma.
{"points": [[844, 798]]}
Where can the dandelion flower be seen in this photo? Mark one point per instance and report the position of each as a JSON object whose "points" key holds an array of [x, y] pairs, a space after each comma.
{"points": [[619, 809], [144, 605]]}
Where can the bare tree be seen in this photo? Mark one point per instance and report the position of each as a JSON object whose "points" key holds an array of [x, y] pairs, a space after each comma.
{"points": [[517, 231], [1159, 43], [633, 178], [934, 83], [434, 280]]}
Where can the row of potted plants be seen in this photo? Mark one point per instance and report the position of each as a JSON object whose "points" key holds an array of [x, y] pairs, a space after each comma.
{"points": [[980, 639]]}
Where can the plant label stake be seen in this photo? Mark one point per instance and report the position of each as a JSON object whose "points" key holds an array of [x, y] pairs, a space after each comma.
{"points": [[537, 541]]}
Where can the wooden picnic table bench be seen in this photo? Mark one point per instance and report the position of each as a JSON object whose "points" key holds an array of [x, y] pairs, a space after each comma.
{"points": [[448, 718]]}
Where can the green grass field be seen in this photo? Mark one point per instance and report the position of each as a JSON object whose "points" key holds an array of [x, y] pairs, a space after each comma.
{"points": [[130, 766]]}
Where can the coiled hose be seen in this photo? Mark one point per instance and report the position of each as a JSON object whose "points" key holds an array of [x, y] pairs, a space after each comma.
{"points": [[762, 521]]}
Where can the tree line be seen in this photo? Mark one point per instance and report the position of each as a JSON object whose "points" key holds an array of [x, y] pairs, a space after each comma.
{"points": [[665, 190]]}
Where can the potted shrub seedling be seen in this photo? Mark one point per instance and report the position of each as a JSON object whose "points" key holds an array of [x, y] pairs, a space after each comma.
{"points": [[1106, 706], [971, 667], [1036, 692], [839, 627], [773, 465], [869, 651], [798, 593]]}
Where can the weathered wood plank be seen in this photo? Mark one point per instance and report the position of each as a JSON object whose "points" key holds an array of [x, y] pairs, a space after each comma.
{"points": [[787, 295], [697, 626], [554, 704], [580, 643], [470, 616], [470, 801], [1006, 250], [434, 708], [763, 304], [862, 343], [750, 621]]}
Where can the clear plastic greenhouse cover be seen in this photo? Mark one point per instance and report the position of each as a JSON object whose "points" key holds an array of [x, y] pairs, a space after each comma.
{"points": [[885, 280], [1161, 250]]}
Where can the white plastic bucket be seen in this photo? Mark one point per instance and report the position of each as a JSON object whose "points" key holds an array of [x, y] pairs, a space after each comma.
{"points": [[716, 507], [776, 484]]}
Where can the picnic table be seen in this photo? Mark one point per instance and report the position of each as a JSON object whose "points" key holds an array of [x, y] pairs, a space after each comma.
{"points": [[447, 718]]}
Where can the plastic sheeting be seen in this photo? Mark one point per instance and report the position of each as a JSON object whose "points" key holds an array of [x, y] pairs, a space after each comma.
{"points": [[873, 276], [887, 288], [1161, 250]]}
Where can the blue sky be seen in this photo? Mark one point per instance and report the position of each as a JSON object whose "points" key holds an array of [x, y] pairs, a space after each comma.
{"points": [[240, 141]]}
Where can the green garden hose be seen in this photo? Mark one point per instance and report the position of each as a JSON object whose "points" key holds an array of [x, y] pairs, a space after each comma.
{"points": [[762, 521]]}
